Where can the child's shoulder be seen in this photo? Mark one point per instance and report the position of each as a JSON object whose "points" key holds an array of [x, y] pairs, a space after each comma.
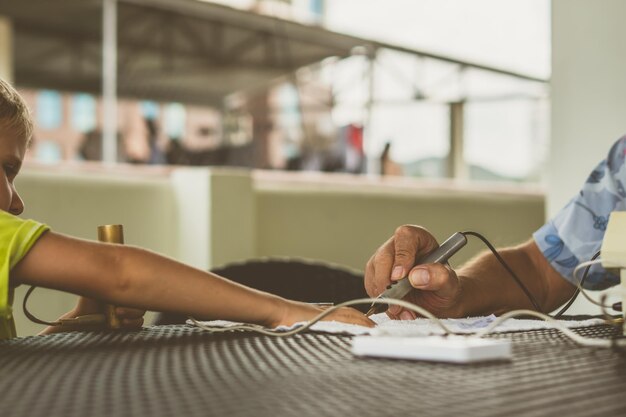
{"points": [[17, 236], [9, 223]]}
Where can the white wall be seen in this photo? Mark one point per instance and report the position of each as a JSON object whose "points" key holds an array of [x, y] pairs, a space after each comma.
{"points": [[343, 219], [75, 202], [588, 90]]}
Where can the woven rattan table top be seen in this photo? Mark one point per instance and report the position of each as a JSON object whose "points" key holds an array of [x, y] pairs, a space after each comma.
{"points": [[182, 371]]}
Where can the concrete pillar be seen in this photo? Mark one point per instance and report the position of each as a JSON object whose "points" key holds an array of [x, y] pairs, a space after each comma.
{"points": [[216, 216], [109, 81], [6, 49], [373, 164], [457, 168]]}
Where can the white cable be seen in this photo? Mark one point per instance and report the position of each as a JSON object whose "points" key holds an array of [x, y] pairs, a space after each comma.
{"points": [[581, 340], [578, 281], [584, 265], [281, 333]]}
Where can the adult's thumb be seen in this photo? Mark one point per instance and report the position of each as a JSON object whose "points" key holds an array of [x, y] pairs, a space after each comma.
{"points": [[433, 277]]}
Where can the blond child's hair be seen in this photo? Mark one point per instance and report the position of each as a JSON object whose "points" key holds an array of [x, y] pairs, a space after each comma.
{"points": [[15, 118]]}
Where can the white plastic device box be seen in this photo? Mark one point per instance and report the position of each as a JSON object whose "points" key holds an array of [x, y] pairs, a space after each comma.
{"points": [[456, 349], [613, 252]]}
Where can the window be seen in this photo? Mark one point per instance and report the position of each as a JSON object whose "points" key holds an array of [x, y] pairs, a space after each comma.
{"points": [[49, 109], [504, 139], [417, 134], [175, 119], [150, 110], [48, 152], [83, 112]]}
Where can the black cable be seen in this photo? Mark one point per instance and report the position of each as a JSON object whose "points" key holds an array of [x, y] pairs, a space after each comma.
{"points": [[575, 295], [506, 266], [29, 315]]}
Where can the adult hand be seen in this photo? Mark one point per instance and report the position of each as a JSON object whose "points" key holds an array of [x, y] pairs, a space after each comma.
{"points": [[436, 286]]}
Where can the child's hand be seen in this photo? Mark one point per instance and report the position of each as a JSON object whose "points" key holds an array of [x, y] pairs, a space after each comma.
{"points": [[296, 312], [350, 315], [130, 318]]}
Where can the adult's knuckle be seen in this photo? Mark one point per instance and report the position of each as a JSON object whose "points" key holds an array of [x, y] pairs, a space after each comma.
{"points": [[405, 229], [381, 257], [404, 254]]}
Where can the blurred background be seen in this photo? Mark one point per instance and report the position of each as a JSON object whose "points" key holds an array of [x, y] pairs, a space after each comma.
{"points": [[333, 86], [221, 131]]}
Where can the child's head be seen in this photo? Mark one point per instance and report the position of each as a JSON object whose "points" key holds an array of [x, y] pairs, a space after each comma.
{"points": [[16, 129], [15, 118]]}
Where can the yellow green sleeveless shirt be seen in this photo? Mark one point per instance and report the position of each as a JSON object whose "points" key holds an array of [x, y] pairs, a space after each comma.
{"points": [[17, 236]]}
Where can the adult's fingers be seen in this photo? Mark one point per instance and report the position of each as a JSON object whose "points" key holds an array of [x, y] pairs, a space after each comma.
{"points": [[410, 243], [368, 279], [435, 278], [378, 269], [435, 285], [395, 258]]}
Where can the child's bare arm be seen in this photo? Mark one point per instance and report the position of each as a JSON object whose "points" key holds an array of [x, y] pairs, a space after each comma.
{"points": [[129, 276]]}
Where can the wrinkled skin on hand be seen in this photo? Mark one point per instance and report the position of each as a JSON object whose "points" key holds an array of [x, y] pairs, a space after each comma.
{"points": [[436, 287]]}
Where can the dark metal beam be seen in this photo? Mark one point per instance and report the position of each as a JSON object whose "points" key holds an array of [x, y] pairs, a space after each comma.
{"points": [[67, 35], [239, 49], [190, 33], [218, 40], [303, 33]]}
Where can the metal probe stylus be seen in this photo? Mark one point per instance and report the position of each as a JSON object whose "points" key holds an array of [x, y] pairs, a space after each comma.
{"points": [[398, 289]]}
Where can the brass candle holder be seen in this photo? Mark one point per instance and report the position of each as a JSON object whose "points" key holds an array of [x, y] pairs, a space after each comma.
{"points": [[111, 233]]}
